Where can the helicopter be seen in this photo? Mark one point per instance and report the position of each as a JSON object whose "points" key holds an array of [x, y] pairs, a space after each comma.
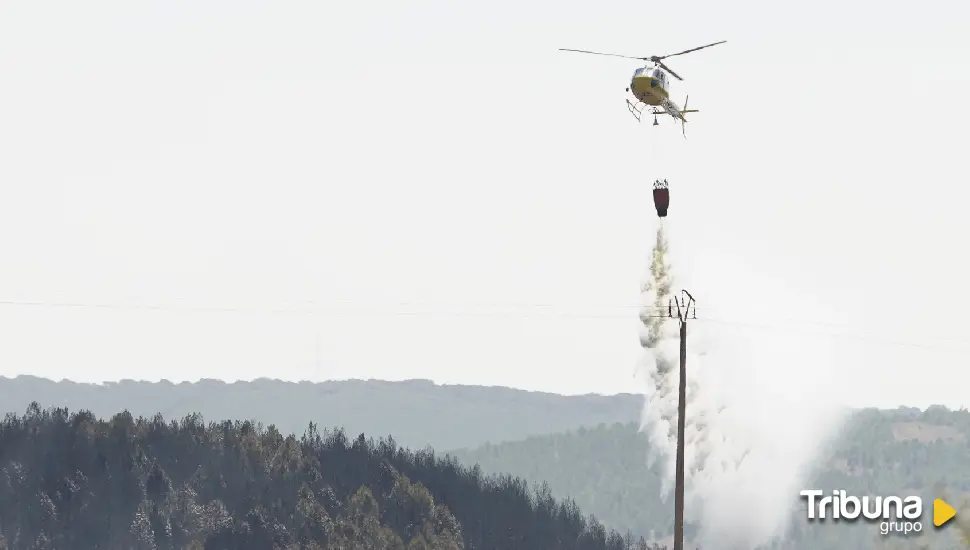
{"points": [[650, 86]]}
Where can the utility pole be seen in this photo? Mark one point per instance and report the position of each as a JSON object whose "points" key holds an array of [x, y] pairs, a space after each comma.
{"points": [[683, 313]]}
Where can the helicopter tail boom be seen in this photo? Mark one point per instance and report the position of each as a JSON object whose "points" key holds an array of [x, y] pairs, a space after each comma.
{"points": [[669, 108]]}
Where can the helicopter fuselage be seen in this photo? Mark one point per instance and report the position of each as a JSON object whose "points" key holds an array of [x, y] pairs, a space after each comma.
{"points": [[650, 85]]}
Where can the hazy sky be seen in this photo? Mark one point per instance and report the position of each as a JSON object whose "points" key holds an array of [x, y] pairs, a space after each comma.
{"points": [[363, 157]]}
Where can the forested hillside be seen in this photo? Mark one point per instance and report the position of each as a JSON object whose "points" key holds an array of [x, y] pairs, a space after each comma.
{"points": [[602, 467], [417, 413], [880, 452], [74, 481]]}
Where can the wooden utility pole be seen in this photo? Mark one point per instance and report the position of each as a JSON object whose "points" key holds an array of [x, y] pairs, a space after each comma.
{"points": [[683, 311]]}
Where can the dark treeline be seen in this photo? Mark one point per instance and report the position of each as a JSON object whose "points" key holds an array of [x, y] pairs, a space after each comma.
{"points": [[76, 481]]}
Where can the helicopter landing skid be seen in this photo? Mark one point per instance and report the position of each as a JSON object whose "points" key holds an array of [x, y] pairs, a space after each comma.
{"points": [[636, 110]]}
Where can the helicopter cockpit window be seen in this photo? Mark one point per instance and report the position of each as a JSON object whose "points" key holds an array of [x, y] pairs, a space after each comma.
{"points": [[658, 73]]}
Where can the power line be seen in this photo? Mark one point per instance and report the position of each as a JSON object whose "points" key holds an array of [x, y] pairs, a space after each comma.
{"points": [[538, 311], [312, 307], [852, 336], [334, 308], [513, 305]]}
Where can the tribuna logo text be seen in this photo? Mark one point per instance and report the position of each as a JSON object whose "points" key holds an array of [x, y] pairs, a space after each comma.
{"points": [[904, 519]]}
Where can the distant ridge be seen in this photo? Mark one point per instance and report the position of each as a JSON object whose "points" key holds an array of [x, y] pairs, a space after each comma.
{"points": [[418, 413]]}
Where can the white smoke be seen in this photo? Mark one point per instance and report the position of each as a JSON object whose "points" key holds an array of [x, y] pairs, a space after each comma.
{"points": [[761, 368]]}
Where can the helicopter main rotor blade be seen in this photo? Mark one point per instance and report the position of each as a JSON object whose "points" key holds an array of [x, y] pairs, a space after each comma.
{"points": [[669, 70], [600, 53], [658, 58]]}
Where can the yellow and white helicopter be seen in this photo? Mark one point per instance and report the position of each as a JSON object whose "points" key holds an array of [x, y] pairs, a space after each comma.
{"points": [[651, 86]]}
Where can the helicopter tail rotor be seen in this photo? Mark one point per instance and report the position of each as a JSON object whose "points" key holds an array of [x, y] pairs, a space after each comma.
{"points": [[686, 110], [683, 119]]}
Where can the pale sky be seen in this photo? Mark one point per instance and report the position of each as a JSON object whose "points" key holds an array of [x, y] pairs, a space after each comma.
{"points": [[362, 157]]}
